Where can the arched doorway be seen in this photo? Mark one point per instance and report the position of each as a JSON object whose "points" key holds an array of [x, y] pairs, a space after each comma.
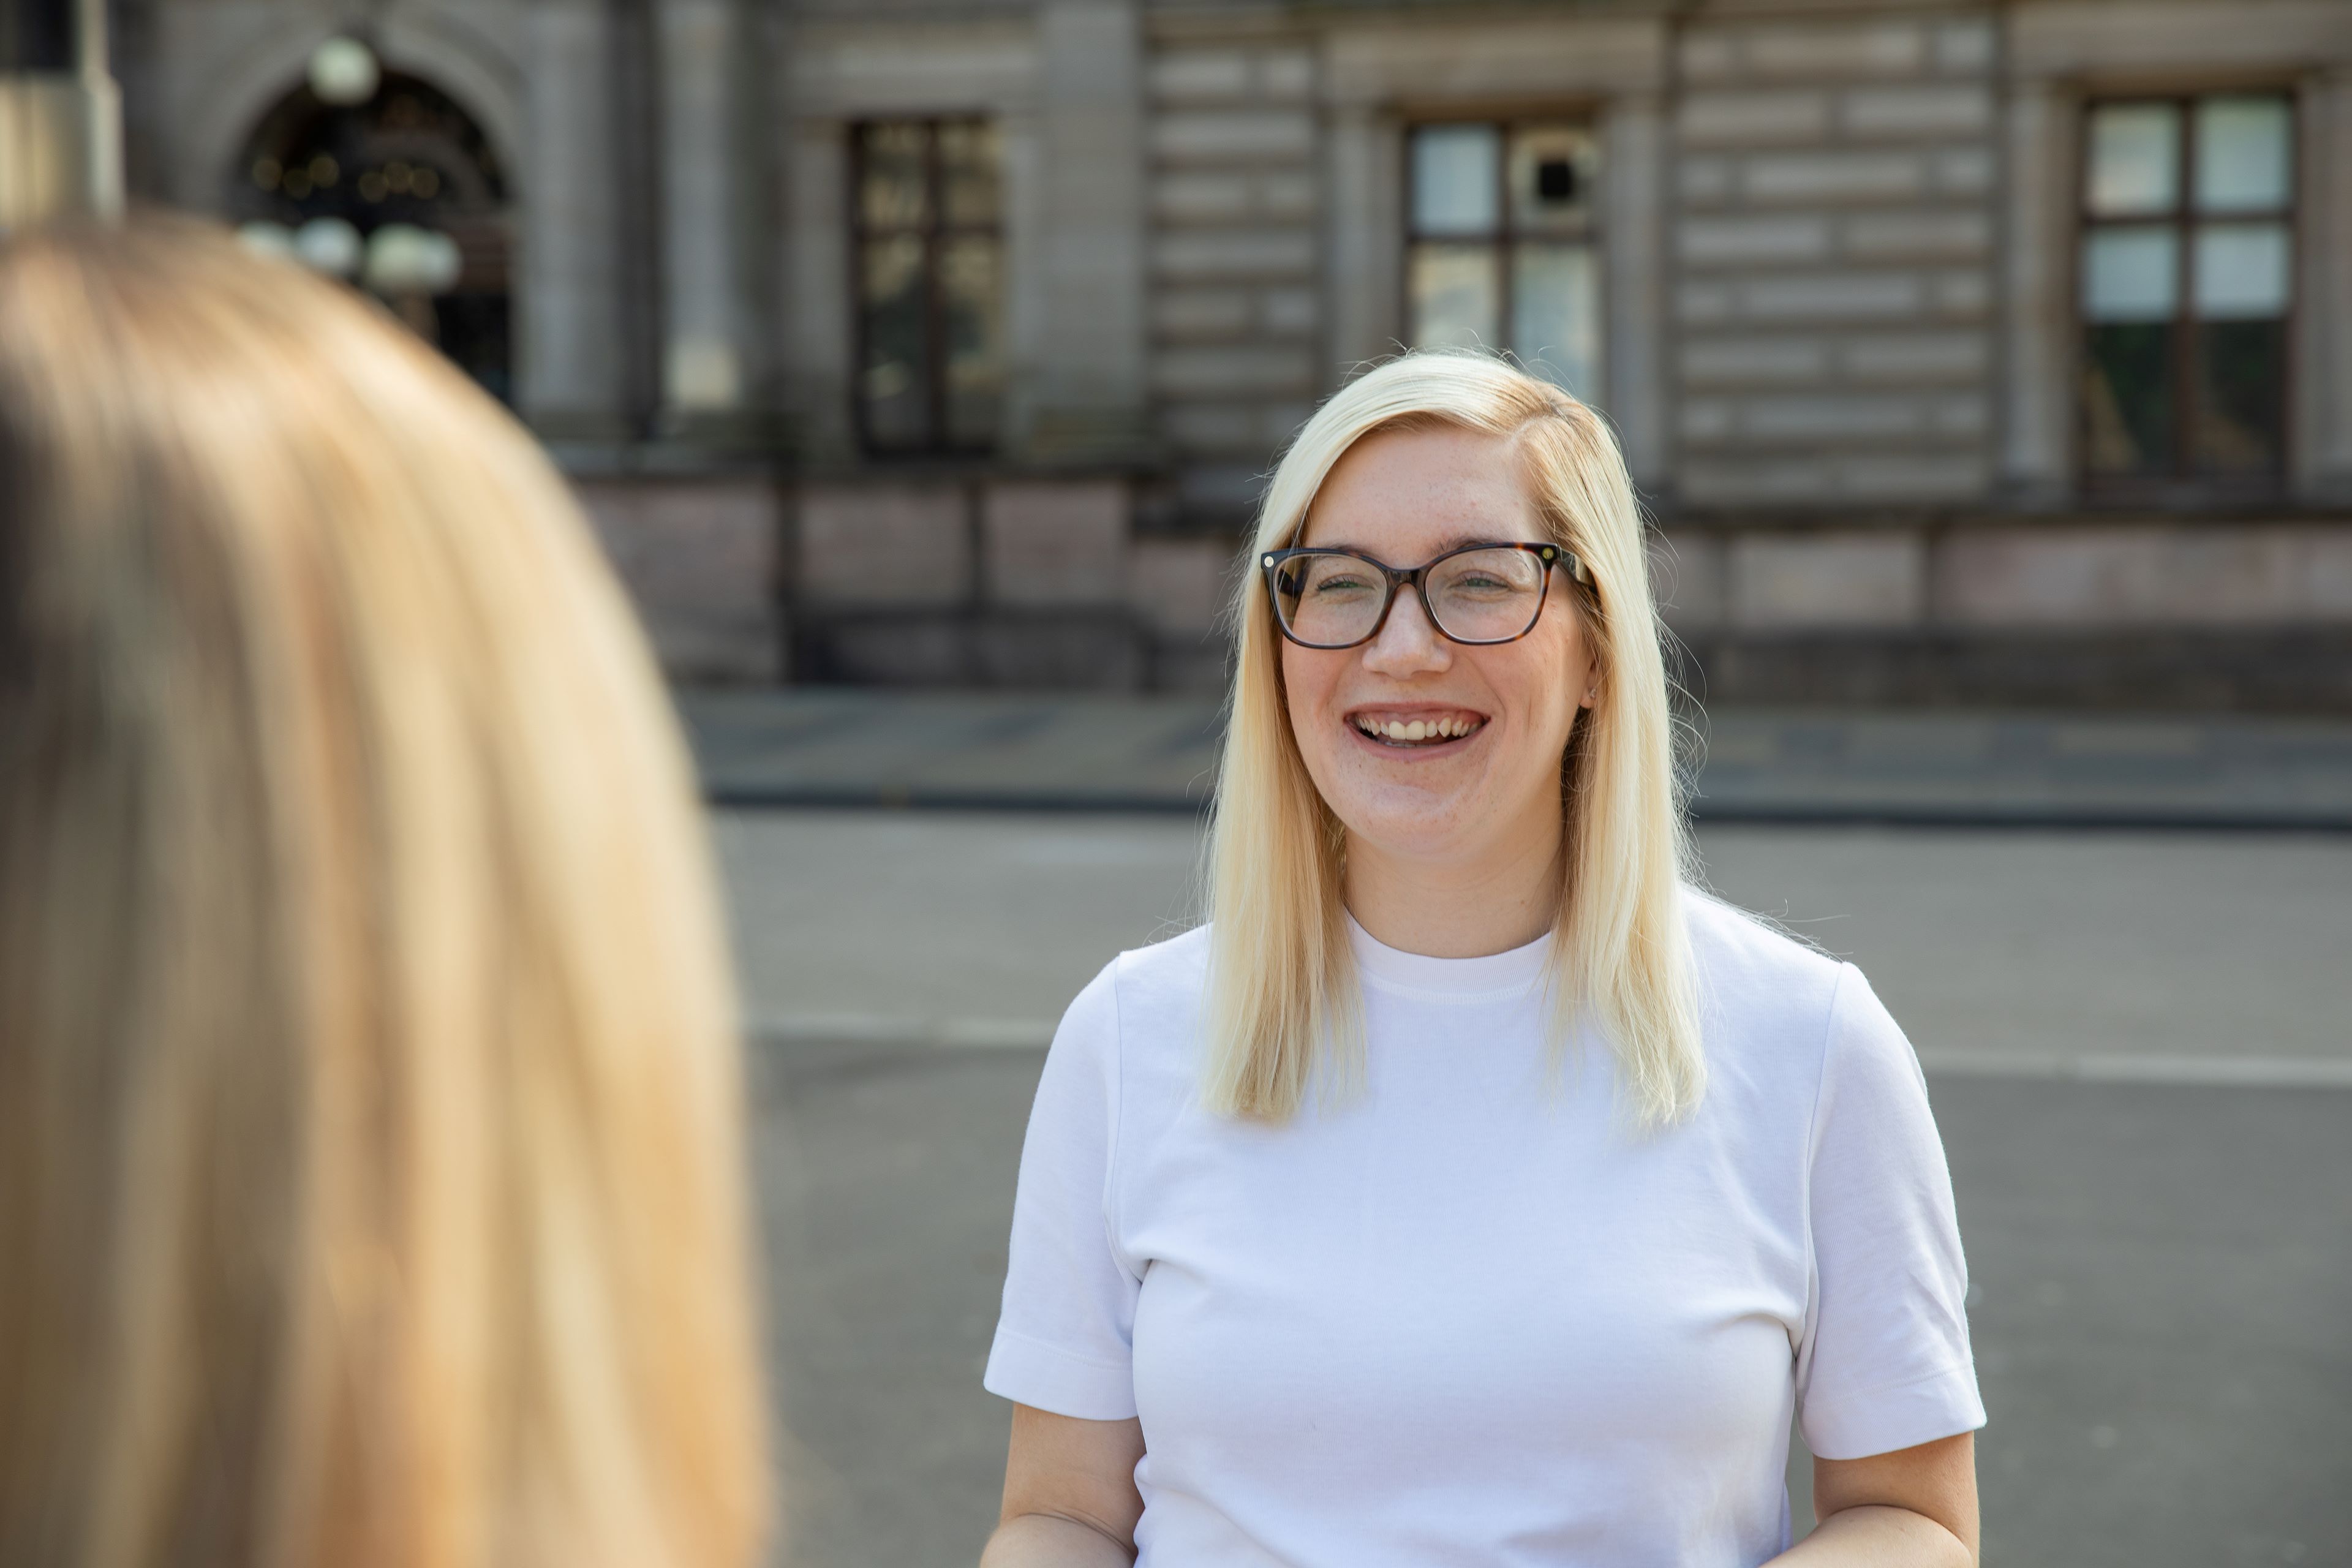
{"points": [[403, 194]]}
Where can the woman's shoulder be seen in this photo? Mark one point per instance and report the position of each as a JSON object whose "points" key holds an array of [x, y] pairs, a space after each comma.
{"points": [[1146, 998], [1755, 978]]}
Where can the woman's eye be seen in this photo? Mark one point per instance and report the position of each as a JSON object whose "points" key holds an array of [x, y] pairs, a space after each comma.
{"points": [[1341, 585]]}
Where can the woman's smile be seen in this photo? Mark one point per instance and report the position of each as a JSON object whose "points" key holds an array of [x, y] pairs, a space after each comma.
{"points": [[1419, 728]]}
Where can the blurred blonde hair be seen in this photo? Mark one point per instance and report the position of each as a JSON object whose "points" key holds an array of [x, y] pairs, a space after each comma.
{"points": [[1283, 991], [370, 1175]]}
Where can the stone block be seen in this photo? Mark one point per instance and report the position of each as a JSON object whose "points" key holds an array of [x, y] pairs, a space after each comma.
{"points": [[885, 544], [1687, 577], [1179, 587], [1291, 312], [1235, 254], [1235, 136], [1831, 177], [1286, 195], [1925, 234], [1279, 423], [1814, 52], [1195, 313], [1915, 357], [1193, 76], [1194, 197], [1285, 74], [1917, 476], [1963, 414], [1964, 48], [1222, 487], [1753, 361], [1831, 296], [1698, 304], [1964, 172], [1215, 427], [2233, 573], [1055, 542], [1962, 293], [918, 648], [1752, 119], [1096, 653], [1753, 481], [1234, 369], [1709, 55], [1704, 180], [1878, 113], [1830, 420], [1704, 419], [1793, 582], [1747, 241], [699, 561]]}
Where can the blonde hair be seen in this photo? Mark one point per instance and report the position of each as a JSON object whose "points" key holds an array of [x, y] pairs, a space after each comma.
{"points": [[370, 1174], [1283, 997]]}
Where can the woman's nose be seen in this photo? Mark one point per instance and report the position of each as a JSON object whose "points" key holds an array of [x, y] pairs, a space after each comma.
{"points": [[1407, 643]]}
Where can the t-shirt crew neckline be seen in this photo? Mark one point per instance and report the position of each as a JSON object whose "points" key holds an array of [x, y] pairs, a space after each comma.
{"points": [[1498, 975]]}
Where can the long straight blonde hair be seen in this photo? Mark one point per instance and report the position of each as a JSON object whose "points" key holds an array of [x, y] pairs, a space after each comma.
{"points": [[1283, 996], [371, 1180]]}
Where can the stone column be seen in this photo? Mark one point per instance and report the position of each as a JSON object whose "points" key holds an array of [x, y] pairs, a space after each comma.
{"points": [[1633, 139], [2323, 389], [1081, 395], [2037, 313], [709, 213], [1364, 246], [570, 384]]}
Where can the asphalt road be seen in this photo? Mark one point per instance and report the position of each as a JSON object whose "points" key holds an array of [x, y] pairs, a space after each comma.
{"points": [[2161, 1257]]}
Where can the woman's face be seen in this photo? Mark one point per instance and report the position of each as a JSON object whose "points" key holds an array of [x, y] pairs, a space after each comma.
{"points": [[1484, 778]]}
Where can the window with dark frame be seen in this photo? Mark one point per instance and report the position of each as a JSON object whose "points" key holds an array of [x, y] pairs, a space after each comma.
{"points": [[2186, 290], [929, 271], [1502, 245]]}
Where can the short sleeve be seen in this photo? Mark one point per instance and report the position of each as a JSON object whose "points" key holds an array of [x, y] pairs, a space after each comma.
{"points": [[1065, 1337], [1884, 1362]]}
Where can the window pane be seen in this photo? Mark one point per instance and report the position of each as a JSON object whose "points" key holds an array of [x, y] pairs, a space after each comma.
{"points": [[890, 167], [1555, 176], [1555, 315], [2130, 274], [2242, 271], [894, 381], [2127, 399], [1456, 297], [968, 165], [2243, 159], [2241, 398], [972, 294], [2135, 152], [1453, 179]]}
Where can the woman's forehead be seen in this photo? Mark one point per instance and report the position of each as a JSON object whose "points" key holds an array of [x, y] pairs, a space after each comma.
{"points": [[1406, 495]]}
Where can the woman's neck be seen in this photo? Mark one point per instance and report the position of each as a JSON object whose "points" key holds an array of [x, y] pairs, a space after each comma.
{"points": [[1458, 906]]}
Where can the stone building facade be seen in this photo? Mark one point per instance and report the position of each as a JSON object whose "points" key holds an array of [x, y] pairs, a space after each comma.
{"points": [[1964, 352]]}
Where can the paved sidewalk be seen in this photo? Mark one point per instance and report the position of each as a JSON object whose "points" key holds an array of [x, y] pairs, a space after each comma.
{"points": [[837, 746]]}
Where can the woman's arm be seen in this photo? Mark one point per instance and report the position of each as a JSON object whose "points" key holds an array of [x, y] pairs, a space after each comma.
{"points": [[1069, 1494], [1915, 1508]]}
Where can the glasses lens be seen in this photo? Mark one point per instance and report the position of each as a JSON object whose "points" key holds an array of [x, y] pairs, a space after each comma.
{"points": [[1328, 599], [1486, 596]]}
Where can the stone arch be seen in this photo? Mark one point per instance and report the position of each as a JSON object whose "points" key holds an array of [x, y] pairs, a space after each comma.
{"points": [[416, 153]]}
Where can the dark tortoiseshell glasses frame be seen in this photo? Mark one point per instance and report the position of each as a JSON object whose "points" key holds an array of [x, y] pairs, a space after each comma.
{"points": [[1272, 562]]}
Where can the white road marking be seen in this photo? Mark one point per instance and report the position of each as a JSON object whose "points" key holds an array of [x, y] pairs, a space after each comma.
{"points": [[2091, 1067]]}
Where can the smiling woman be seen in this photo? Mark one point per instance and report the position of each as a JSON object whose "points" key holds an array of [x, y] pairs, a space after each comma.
{"points": [[1473, 1188]]}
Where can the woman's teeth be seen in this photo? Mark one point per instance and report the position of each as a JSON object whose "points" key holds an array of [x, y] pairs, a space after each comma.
{"points": [[1449, 728]]}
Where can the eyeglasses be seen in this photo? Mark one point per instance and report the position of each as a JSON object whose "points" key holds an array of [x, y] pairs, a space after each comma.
{"points": [[1479, 593]]}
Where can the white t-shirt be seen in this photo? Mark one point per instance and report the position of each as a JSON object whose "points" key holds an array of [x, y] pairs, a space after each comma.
{"points": [[1469, 1317]]}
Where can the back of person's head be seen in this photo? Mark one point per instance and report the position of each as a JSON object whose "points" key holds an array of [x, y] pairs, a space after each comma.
{"points": [[371, 1167]]}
